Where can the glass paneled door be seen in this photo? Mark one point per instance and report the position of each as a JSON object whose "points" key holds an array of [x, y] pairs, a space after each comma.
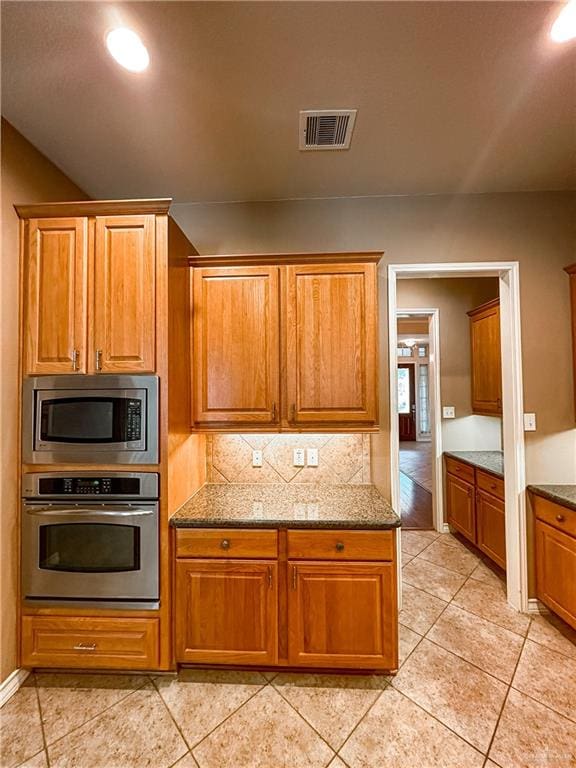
{"points": [[406, 401]]}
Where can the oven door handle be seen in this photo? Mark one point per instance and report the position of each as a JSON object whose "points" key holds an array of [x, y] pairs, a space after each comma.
{"points": [[91, 512]]}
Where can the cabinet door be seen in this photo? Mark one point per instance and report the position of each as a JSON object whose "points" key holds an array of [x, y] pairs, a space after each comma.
{"points": [[226, 611], [124, 295], [486, 361], [343, 615], [460, 507], [236, 346], [491, 527], [56, 266], [555, 570], [331, 344]]}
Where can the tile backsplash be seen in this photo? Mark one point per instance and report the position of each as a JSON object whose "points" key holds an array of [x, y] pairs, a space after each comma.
{"points": [[342, 458]]}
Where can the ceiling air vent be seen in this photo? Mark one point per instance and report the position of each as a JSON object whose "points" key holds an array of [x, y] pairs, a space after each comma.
{"points": [[326, 128]]}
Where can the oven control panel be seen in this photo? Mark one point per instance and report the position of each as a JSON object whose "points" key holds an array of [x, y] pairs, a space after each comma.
{"points": [[128, 485]]}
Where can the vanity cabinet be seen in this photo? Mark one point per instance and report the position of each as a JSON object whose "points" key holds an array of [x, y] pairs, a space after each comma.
{"points": [[89, 293], [486, 362], [291, 598], [289, 344]]}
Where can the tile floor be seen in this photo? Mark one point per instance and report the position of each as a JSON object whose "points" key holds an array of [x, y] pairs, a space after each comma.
{"points": [[479, 685]]}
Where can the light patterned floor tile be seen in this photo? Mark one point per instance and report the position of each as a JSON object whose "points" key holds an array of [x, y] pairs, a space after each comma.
{"points": [[549, 677], [453, 558], [555, 634], [419, 609], [489, 601], [490, 647], [69, 700], [337, 763], [487, 572], [407, 641], [265, 732], [137, 732], [413, 542], [396, 733], [20, 728], [432, 578], [187, 761], [38, 761], [529, 735], [199, 700], [461, 696], [332, 704]]}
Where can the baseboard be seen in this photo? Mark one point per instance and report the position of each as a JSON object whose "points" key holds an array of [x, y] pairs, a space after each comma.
{"points": [[445, 528], [535, 606], [9, 687]]}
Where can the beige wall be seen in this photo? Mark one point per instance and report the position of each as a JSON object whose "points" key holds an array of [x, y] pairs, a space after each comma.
{"points": [[454, 298], [536, 229], [27, 177]]}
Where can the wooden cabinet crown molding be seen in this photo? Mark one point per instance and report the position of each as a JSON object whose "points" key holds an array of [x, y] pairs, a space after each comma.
{"points": [[93, 208], [261, 259], [483, 307]]}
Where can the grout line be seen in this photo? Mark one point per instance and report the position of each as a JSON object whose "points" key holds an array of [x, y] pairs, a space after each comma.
{"points": [[41, 720], [178, 728]]}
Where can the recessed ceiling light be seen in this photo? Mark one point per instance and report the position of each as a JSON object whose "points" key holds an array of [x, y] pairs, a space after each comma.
{"points": [[564, 28], [128, 50]]}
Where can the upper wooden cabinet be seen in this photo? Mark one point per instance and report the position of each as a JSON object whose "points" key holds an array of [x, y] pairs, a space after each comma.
{"points": [[236, 345], [285, 342], [89, 293], [486, 358], [571, 270]]}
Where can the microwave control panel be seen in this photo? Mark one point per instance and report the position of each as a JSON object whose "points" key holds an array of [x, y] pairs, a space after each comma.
{"points": [[133, 420]]}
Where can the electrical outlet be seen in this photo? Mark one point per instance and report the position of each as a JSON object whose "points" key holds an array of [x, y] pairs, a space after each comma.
{"points": [[448, 412], [299, 457], [312, 457], [256, 458], [529, 422]]}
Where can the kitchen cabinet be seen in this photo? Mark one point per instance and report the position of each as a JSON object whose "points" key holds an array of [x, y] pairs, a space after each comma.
{"points": [[555, 544], [285, 344], [89, 297], [460, 506], [571, 270], [298, 598], [491, 527], [486, 362]]}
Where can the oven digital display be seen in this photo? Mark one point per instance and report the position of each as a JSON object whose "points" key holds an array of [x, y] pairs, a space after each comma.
{"points": [[104, 486]]}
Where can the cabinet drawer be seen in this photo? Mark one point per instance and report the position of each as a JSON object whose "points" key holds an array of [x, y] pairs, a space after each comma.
{"points": [[458, 468], [226, 542], [490, 484], [341, 545], [80, 641], [559, 517]]}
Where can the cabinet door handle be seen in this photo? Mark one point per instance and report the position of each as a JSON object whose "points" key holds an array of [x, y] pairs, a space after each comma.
{"points": [[85, 647], [225, 543], [560, 518], [293, 577], [75, 359], [339, 546], [98, 359], [270, 576]]}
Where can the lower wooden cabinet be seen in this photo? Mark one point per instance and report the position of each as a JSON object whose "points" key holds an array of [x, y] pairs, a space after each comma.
{"points": [[84, 641], [461, 510], [342, 615], [226, 611], [491, 527]]}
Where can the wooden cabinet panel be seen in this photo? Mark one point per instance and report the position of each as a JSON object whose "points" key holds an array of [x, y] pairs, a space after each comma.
{"points": [[78, 641], [331, 344], [236, 346], [124, 294], [486, 358], [556, 515], [461, 470], [491, 527], [226, 542], [341, 545], [226, 611], [555, 570], [460, 507], [490, 484], [55, 296], [343, 615]]}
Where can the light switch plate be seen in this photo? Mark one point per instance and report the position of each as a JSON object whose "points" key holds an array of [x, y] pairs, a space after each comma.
{"points": [[312, 457], [256, 458], [448, 412], [299, 457], [529, 422]]}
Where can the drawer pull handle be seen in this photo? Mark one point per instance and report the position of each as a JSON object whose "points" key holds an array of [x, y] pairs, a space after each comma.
{"points": [[225, 543], [560, 518], [85, 647], [339, 546]]}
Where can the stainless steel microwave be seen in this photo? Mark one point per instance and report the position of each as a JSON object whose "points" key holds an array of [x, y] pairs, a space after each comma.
{"points": [[102, 419]]}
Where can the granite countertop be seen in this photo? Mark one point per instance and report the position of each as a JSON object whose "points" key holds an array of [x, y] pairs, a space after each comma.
{"points": [[304, 505], [491, 461], [561, 494]]}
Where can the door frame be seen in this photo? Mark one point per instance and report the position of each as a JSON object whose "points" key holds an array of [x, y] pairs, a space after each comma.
{"points": [[435, 412], [508, 274]]}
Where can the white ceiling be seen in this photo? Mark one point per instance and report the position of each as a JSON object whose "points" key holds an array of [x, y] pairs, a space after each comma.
{"points": [[451, 97]]}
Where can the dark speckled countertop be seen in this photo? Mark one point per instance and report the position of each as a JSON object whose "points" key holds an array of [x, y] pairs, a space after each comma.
{"points": [[279, 506], [560, 494], [491, 461]]}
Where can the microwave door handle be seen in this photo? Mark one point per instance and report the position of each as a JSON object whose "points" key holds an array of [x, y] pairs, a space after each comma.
{"points": [[92, 512]]}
